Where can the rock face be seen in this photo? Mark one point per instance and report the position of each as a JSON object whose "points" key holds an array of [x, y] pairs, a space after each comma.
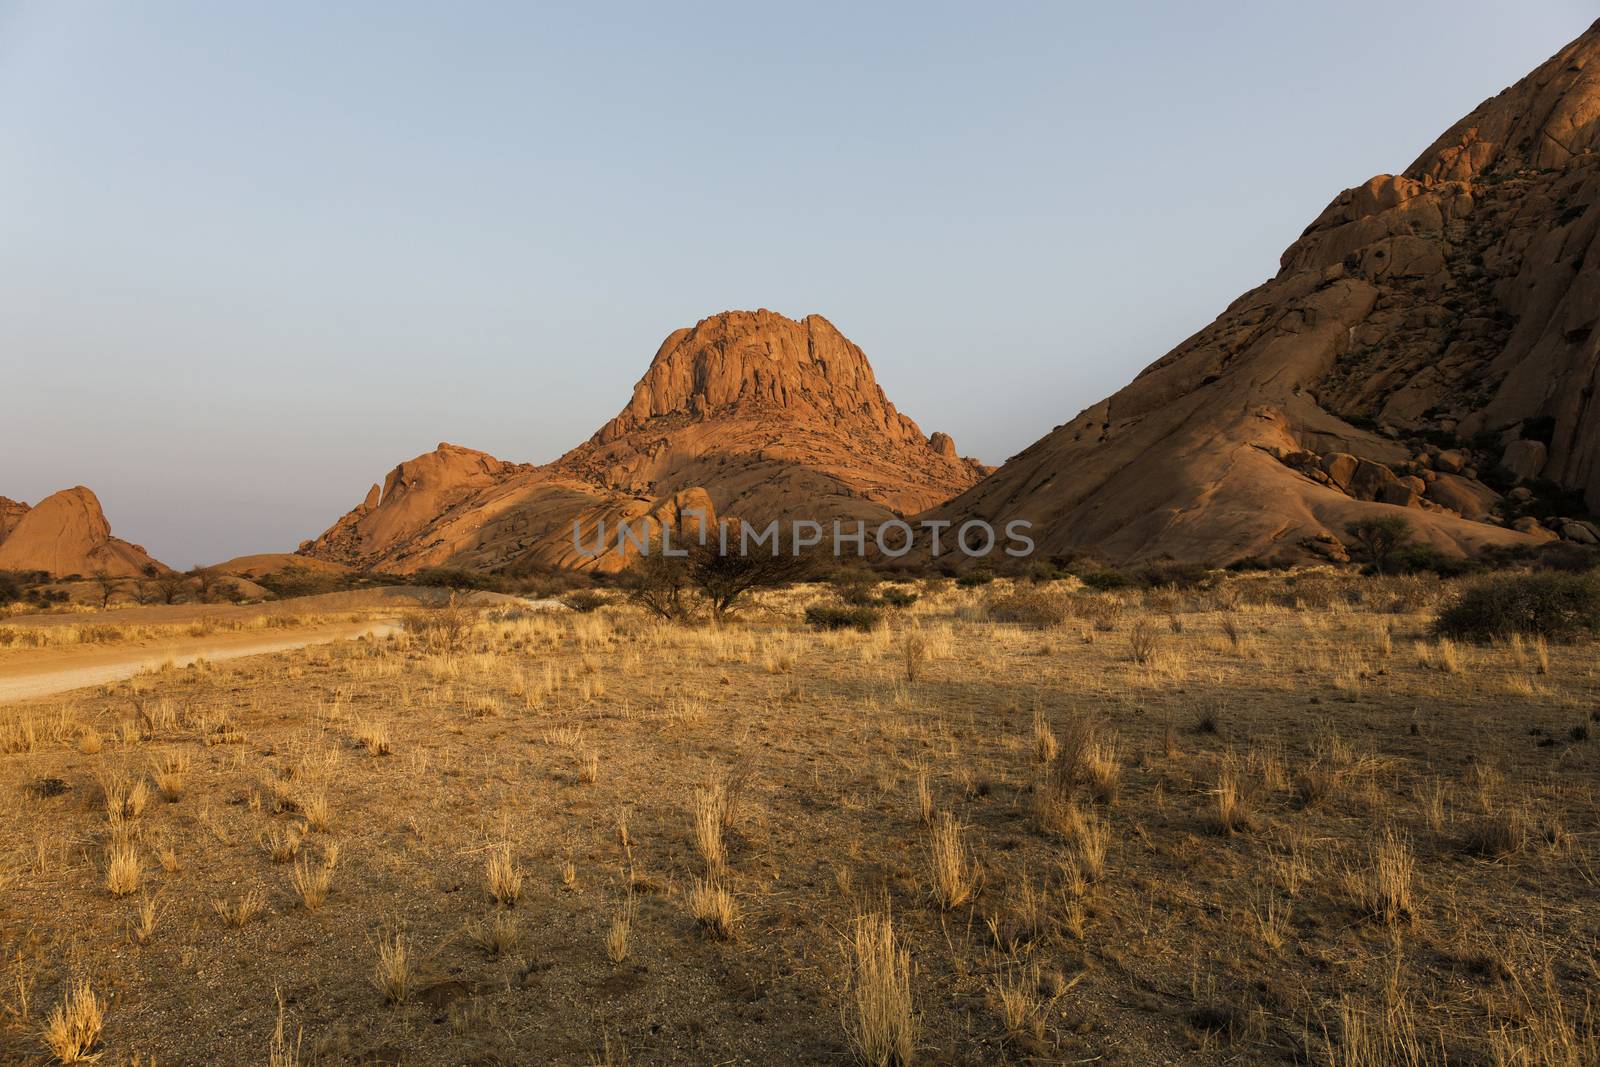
{"points": [[1439, 320], [746, 414], [66, 533], [11, 512]]}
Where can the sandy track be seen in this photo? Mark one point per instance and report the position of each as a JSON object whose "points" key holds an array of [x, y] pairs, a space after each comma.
{"points": [[45, 672]]}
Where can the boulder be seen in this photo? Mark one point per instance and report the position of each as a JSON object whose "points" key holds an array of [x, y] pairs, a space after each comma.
{"points": [[1450, 462], [1467, 498], [1524, 460], [1340, 467], [1580, 532]]}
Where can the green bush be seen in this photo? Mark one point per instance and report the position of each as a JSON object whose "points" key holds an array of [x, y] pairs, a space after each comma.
{"points": [[1036, 608], [842, 617], [973, 579], [1177, 575], [898, 598], [295, 580], [584, 601], [1415, 559], [1105, 579], [1552, 605]]}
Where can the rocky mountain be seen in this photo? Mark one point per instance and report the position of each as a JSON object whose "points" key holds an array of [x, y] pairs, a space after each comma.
{"points": [[746, 414], [66, 533], [1428, 348]]}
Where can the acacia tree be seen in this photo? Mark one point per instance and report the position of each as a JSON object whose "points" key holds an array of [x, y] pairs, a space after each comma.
{"points": [[657, 583], [107, 584], [170, 587], [723, 577], [718, 571], [205, 582], [1380, 537]]}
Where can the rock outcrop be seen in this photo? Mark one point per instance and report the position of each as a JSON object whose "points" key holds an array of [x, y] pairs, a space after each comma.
{"points": [[746, 414], [1429, 341], [66, 533]]}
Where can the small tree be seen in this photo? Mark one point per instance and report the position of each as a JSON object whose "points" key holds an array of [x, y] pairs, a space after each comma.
{"points": [[107, 584], [170, 587], [1380, 537], [657, 583], [205, 579], [144, 591], [723, 577]]}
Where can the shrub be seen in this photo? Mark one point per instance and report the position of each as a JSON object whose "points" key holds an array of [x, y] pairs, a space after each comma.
{"points": [[1105, 579], [1176, 575], [842, 617], [1037, 609], [584, 601], [1415, 559], [1551, 605], [1380, 538], [898, 598], [973, 579], [291, 581]]}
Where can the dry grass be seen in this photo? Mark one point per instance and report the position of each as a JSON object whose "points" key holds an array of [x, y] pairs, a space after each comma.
{"points": [[122, 866], [312, 881], [392, 971], [1223, 860], [950, 868], [170, 772], [72, 1032], [499, 935], [713, 908], [877, 1007], [502, 876], [1383, 887], [238, 912], [618, 933]]}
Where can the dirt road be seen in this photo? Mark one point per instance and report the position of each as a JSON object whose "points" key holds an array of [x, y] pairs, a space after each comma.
{"points": [[46, 671]]}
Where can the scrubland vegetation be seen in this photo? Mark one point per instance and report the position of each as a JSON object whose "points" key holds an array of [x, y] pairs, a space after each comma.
{"points": [[1317, 818]]}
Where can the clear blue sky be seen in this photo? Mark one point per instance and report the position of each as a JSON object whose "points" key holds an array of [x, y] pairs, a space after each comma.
{"points": [[254, 254]]}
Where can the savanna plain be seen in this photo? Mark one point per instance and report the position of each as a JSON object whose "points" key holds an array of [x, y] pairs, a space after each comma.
{"points": [[1274, 820]]}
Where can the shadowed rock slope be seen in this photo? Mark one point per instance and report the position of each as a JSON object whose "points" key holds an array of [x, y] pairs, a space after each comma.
{"points": [[66, 533], [1428, 349], [745, 414]]}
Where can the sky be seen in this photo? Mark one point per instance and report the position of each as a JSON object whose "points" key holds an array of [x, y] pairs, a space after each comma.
{"points": [[254, 255]]}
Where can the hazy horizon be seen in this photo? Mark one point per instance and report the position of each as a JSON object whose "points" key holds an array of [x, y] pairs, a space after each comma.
{"points": [[257, 257]]}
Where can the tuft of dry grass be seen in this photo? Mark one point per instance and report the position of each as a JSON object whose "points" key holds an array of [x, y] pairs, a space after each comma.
{"points": [[713, 908], [618, 932], [1018, 1000], [279, 1052], [236, 913], [498, 936], [312, 881], [392, 971], [709, 817], [72, 1032], [1500, 833], [145, 917], [950, 867], [1383, 888], [125, 796], [1231, 814], [877, 1007], [122, 866], [372, 736], [502, 876], [924, 796], [170, 773], [282, 843]]}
